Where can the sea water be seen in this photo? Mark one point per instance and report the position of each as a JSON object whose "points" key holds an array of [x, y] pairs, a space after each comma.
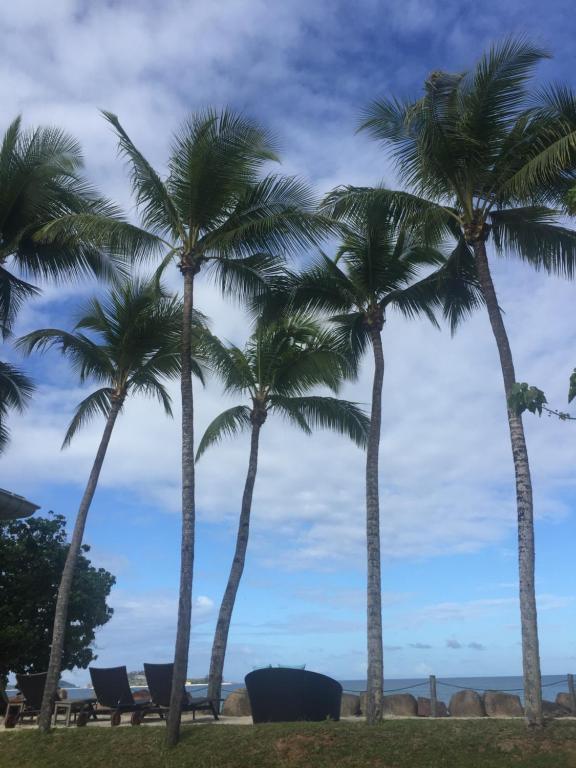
{"points": [[445, 686]]}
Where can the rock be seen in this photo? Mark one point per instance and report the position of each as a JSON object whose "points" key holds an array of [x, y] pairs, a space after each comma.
{"points": [[237, 704], [466, 704], [400, 705], [563, 700], [554, 709], [499, 704], [350, 705], [424, 708], [397, 705]]}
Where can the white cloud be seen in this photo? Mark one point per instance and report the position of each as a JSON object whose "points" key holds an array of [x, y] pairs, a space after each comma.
{"points": [[446, 469]]}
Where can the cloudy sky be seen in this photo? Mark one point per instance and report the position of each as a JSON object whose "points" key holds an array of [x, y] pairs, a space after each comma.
{"points": [[447, 498]]}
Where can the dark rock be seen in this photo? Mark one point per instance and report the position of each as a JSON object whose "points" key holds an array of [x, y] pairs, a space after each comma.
{"points": [[350, 705], [424, 708], [237, 704], [553, 709], [466, 704], [563, 700], [400, 705], [498, 704]]}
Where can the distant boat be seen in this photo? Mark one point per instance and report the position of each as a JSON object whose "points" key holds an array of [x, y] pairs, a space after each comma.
{"points": [[281, 666]]}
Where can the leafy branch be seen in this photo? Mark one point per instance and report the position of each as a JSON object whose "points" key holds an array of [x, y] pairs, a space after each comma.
{"points": [[524, 397]]}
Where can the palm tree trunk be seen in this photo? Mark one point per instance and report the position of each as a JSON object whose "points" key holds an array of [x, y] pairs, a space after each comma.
{"points": [[65, 588], [227, 605], [526, 552], [375, 672], [188, 515]]}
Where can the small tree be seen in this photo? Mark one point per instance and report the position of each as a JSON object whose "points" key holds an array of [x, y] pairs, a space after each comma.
{"points": [[281, 362], [133, 348], [32, 557]]}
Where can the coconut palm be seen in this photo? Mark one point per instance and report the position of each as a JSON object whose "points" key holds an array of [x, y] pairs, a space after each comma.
{"points": [[128, 343], [380, 267], [281, 362], [486, 157], [214, 213], [15, 391], [41, 184]]}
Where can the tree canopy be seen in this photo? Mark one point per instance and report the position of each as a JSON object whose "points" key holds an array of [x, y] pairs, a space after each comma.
{"points": [[32, 555]]}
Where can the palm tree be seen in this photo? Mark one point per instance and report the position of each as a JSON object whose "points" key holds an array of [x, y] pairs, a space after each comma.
{"points": [[128, 343], [41, 185], [15, 391], [380, 266], [281, 362], [214, 213], [486, 159]]}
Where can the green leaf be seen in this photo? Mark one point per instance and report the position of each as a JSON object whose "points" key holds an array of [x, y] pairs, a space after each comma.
{"points": [[229, 423], [524, 397], [572, 390]]}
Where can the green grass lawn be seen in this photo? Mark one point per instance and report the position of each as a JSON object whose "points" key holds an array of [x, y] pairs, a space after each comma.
{"points": [[394, 744]]}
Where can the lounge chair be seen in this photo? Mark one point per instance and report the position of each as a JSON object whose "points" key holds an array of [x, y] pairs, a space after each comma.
{"points": [[280, 695], [159, 679], [114, 696], [9, 709], [32, 688]]}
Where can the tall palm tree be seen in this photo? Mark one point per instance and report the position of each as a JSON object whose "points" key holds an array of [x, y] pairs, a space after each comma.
{"points": [[487, 158], [379, 267], [281, 362], [214, 213], [129, 344], [15, 391]]}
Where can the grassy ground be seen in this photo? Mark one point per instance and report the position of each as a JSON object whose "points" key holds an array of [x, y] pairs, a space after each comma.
{"points": [[394, 744]]}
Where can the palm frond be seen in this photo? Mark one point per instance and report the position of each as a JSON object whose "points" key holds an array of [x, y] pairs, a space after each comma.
{"points": [[248, 279], [276, 215], [229, 363], [430, 221], [150, 386], [340, 416], [16, 388], [214, 157], [353, 334], [157, 208], [536, 236], [494, 92], [96, 403], [228, 424], [13, 293], [86, 357]]}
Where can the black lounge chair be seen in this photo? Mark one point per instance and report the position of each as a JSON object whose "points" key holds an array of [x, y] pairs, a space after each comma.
{"points": [[281, 695], [32, 689], [159, 679], [9, 709], [114, 696]]}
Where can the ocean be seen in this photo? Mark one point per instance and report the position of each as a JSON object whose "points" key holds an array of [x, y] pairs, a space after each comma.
{"points": [[445, 686]]}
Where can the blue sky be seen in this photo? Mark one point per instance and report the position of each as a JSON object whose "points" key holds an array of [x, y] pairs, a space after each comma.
{"points": [[448, 528]]}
